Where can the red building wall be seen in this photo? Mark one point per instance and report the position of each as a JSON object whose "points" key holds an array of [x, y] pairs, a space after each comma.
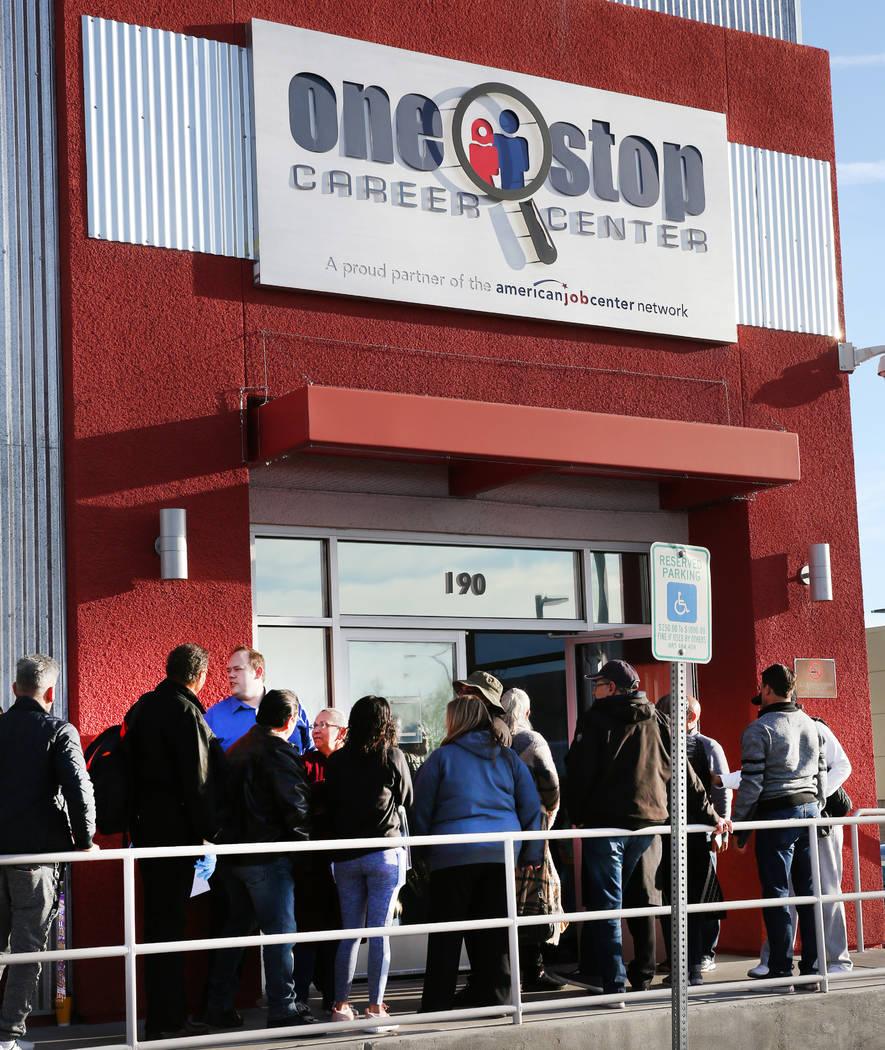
{"points": [[158, 345]]}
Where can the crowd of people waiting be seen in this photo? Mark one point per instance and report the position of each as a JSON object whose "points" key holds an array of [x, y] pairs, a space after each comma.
{"points": [[249, 771]]}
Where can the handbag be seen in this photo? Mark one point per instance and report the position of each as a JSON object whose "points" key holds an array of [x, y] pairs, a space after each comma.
{"points": [[530, 900], [404, 830]]}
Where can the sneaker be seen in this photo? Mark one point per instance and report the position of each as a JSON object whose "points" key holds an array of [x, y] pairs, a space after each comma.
{"points": [[382, 1013], [708, 964], [543, 982], [663, 967], [695, 978], [758, 971], [346, 1013], [16, 1044]]}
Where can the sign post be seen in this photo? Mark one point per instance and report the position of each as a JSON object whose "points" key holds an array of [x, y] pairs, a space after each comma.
{"points": [[680, 594]]}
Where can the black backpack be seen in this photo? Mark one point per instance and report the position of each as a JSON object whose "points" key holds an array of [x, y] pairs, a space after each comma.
{"points": [[107, 764]]}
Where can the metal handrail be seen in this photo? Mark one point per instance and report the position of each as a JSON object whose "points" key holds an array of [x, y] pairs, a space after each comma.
{"points": [[131, 948]]}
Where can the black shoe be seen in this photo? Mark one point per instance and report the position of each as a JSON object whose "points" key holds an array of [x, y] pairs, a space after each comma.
{"points": [[592, 982], [544, 982], [300, 1015], [642, 986], [187, 1029], [224, 1019]]}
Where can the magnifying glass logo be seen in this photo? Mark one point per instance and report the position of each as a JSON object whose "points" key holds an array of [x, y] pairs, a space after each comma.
{"points": [[506, 155]]}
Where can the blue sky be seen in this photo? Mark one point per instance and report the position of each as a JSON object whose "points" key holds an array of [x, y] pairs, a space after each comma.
{"points": [[853, 31]]}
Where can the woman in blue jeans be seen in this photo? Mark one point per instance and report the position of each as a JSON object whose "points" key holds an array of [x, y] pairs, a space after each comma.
{"points": [[367, 781]]}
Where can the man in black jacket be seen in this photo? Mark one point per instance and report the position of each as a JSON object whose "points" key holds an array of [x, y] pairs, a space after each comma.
{"points": [[270, 802], [618, 775], [174, 773], [47, 808]]}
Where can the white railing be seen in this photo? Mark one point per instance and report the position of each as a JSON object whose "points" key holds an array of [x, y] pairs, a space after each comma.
{"points": [[131, 949]]}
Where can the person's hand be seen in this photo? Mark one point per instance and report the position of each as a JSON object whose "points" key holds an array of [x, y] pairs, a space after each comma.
{"points": [[719, 843], [527, 867], [205, 866], [723, 826], [717, 780], [94, 848]]}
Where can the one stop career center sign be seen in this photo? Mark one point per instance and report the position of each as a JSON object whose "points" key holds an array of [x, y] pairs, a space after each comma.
{"points": [[394, 175], [680, 597]]}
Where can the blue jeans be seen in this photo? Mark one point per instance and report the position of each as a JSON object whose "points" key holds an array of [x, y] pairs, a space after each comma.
{"points": [[367, 889], [609, 863], [782, 854], [266, 893]]}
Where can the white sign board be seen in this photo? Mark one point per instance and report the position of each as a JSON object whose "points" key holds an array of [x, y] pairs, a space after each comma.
{"points": [[680, 602], [389, 174]]}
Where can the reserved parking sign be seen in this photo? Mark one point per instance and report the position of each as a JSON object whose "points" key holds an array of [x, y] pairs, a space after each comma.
{"points": [[680, 601]]}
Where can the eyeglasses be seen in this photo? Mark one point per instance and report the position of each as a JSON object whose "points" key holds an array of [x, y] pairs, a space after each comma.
{"points": [[327, 725], [599, 682]]}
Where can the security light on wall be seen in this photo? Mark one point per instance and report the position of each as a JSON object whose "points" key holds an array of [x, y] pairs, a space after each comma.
{"points": [[816, 574], [850, 357], [171, 544]]}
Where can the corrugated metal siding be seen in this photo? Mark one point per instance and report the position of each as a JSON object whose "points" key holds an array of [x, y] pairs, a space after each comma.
{"points": [[168, 139], [32, 575], [784, 242], [32, 571], [776, 18]]}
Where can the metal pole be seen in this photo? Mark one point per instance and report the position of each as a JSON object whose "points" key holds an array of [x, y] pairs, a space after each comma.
{"points": [[513, 932], [822, 962], [129, 938], [678, 859], [858, 905]]}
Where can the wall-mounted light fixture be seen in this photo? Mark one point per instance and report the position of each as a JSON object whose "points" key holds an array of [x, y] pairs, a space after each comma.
{"points": [[171, 544], [816, 574], [850, 357]]}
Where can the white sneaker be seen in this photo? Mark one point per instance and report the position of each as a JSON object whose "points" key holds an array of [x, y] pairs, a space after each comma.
{"points": [[16, 1044], [758, 971], [382, 1014], [708, 964]]}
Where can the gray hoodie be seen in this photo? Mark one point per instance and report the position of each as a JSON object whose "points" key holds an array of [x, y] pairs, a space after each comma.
{"points": [[782, 757]]}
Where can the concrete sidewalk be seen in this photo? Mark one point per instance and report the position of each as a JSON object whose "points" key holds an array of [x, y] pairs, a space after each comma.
{"points": [[851, 1016]]}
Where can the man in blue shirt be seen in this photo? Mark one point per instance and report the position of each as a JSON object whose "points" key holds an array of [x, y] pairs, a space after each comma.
{"points": [[233, 717]]}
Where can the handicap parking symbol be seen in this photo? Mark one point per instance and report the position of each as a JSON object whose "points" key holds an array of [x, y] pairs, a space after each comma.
{"points": [[682, 602]]}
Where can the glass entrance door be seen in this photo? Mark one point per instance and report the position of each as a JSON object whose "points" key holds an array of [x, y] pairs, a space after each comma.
{"points": [[412, 669]]}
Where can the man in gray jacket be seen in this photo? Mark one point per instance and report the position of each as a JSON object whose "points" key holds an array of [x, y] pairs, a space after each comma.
{"points": [[47, 808], [783, 777]]}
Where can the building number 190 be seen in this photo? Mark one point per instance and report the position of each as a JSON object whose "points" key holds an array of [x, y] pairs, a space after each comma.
{"points": [[465, 582]]}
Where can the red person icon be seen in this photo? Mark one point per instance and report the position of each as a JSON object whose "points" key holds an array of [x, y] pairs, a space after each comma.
{"points": [[483, 151]]}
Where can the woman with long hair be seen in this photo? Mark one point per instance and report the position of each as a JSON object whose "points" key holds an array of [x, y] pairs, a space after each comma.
{"points": [[367, 781], [539, 891], [472, 783]]}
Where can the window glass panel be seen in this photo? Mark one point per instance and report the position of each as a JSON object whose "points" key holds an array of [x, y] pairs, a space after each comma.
{"points": [[620, 587], [415, 677], [296, 660], [289, 577], [388, 579]]}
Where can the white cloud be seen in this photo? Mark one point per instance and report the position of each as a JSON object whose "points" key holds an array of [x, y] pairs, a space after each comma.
{"points": [[855, 173], [857, 60]]}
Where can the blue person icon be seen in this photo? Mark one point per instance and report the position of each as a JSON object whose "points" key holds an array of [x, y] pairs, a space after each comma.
{"points": [[682, 602], [513, 152]]}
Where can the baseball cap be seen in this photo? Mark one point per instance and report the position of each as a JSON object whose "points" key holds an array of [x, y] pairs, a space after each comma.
{"points": [[618, 671], [483, 683]]}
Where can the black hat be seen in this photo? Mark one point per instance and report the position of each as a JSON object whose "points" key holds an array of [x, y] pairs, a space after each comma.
{"points": [[618, 671]]}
